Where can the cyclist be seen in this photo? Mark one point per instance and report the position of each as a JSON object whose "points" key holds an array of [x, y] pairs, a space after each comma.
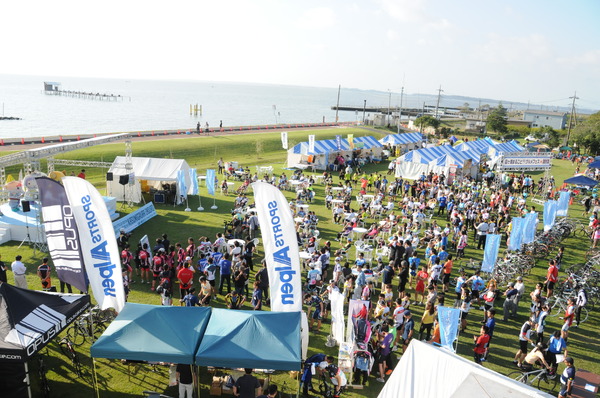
{"points": [[580, 302], [535, 357], [338, 378]]}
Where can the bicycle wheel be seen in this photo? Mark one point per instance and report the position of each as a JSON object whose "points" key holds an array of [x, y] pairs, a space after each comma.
{"points": [[76, 335], [519, 376], [584, 315], [547, 383]]}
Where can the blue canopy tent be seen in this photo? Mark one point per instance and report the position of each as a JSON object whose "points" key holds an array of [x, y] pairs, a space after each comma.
{"points": [[594, 165], [143, 332], [405, 140], [581, 180], [328, 148], [251, 339]]}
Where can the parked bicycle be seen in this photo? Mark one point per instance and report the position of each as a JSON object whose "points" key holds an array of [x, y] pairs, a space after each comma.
{"points": [[67, 347], [86, 328], [44, 385]]}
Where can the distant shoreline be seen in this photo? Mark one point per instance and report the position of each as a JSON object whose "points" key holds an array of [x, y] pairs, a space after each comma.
{"points": [[19, 144]]}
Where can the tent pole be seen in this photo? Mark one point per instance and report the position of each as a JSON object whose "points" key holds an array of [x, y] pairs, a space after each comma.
{"points": [[95, 378], [197, 378], [298, 383], [27, 379]]}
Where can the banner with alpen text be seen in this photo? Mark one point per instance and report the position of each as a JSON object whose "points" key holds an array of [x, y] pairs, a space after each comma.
{"points": [[62, 233], [281, 247], [99, 249]]}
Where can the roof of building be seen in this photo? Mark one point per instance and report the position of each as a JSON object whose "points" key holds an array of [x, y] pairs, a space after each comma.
{"points": [[547, 113]]}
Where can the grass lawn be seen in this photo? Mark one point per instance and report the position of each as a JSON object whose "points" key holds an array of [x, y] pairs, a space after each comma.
{"points": [[117, 380]]}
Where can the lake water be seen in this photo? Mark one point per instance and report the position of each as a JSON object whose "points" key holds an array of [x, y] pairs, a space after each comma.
{"points": [[161, 105]]}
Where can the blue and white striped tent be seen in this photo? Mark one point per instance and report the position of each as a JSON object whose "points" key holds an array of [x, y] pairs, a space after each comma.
{"points": [[402, 139], [325, 151], [324, 146], [479, 146], [428, 155], [510, 146]]}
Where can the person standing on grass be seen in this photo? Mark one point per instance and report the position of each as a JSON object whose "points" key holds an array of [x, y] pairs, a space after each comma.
{"points": [[247, 385], [3, 269], [186, 279], [384, 349], [510, 302], [481, 343], [43, 273], [19, 270], [580, 302], [206, 291], [225, 273], [567, 379], [187, 379], [524, 338], [551, 278], [447, 272]]}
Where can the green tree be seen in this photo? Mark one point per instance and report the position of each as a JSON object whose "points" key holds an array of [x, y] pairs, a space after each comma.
{"points": [[496, 120], [587, 134], [427, 121], [548, 135]]}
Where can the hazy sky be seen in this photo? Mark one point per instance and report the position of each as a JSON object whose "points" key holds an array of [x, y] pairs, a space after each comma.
{"points": [[538, 51]]}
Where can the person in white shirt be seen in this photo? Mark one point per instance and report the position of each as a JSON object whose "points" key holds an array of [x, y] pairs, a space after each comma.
{"points": [[520, 286], [18, 268]]}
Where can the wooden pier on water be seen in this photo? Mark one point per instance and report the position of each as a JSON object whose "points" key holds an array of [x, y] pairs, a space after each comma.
{"points": [[53, 88]]}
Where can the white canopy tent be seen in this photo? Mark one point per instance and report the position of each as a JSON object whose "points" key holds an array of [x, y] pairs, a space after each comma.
{"points": [[153, 172], [429, 371]]}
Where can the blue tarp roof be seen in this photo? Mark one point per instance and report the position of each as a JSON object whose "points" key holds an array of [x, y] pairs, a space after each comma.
{"points": [[402, 139], [145, 332], [251, 339], [594, 165], [582, 180], [324, 146], [204, 336]]}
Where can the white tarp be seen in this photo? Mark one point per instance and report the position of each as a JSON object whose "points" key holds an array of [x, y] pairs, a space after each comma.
{"points": [[429, 371], [337, 315], [154, 171]]}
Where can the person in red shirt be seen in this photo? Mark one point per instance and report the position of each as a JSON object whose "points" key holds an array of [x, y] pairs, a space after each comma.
{"points": [[157, 267], [82, 174], [422, 276], [186, 279], [481, 343], [551, 278], [568, 318]]}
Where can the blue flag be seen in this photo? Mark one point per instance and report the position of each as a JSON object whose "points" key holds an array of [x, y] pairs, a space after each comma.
{"points": [[181, 185], [516, 234], [338, 142], [550, 208], [529, 227], [563, 203], [194, 181], [448, 318], [210, 181], [490, 252]]}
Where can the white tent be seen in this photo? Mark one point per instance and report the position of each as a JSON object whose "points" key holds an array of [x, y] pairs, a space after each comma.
{"points": [[428, 371], [149, 173]]}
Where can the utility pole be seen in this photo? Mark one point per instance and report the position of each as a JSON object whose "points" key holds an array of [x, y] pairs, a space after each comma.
{"points": [[437, 105], [389, 106], [400, 111], [571, 116], [422, 114], [337, 108], [364, 111]]}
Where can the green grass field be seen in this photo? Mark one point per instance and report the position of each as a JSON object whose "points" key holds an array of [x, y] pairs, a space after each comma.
{"points": [[119, 380]]}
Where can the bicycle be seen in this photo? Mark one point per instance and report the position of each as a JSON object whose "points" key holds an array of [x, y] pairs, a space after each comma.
{"points": [[86, 328], [67, 348], [327, 389], [44, 385], [543, 379], [558, 305]]}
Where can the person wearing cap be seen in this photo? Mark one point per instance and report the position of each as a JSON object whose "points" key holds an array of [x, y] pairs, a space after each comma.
{"points": [[510, 302], [338, 378], [186, 278], [567, 378], [408, 330]]}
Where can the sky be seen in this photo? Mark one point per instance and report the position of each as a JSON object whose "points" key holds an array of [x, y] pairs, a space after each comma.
{"points": [[527, 51]]}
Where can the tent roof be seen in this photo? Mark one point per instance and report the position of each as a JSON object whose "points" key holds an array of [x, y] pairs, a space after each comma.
{"points": [[145, 332], [428, 371], [28, 317], [582, 180], [251, 339], [594, 165], [428, 155], [510, 146], [150, 168], [402, 139], [479, 146], [324, 146]]}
